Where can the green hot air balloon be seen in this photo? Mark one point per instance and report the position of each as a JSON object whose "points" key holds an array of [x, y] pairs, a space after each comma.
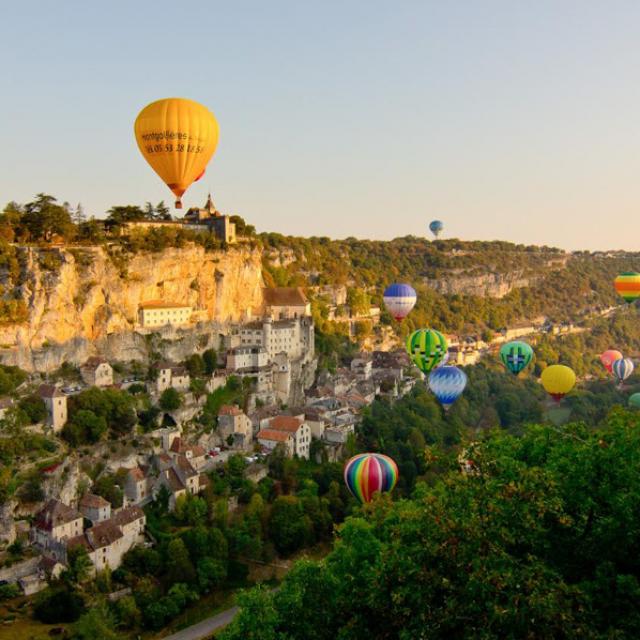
{"points": [[426, 348], [516, 356], [634, 400]]}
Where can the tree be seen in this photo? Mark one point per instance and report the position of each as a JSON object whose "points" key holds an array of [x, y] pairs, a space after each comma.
{"points": [[210, 359], [195, 365], [211, 573], [179, 566], [289, 527], [170, 400], [107, 487], [78, 216], [43, 218], [34, 407], [60, 604], [98, 622], [85, 427], [79, 565]]}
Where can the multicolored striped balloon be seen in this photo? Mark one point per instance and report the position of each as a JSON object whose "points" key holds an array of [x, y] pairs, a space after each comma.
{"points": [[628, 285], [516, 355], [367, 473], [426, 348], [447, 384], [399, 300], [622, 368]]}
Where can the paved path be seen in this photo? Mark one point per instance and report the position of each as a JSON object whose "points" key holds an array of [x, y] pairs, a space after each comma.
{"points": [[206, 627]]}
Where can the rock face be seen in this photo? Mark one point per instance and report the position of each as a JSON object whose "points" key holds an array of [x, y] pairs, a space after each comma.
{"points": [[89, 301], [492, 285]]}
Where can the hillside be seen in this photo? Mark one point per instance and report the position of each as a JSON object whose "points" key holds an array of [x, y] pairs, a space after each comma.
{"points": [[462, 286]]}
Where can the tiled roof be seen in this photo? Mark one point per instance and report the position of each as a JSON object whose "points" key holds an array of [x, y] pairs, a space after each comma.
{"points": [[285, 296], [127, 515], [94, 362], [285, 423], [229, 410], [173, 480], [54, 514], [92, 501], [276, 436], [185, 466], [101, 535], [49, 391], [136, 473]]}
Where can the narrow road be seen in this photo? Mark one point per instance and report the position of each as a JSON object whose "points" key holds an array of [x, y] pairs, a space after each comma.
{"points": [[206, 627]]}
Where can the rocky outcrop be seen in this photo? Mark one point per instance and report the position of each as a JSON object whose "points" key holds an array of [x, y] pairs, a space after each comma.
{"points": [[492, 285], [84, 301]]}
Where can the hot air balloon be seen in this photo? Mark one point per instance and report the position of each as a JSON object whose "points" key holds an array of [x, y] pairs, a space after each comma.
{"points": [[436, 227], [367, 473], [609, 357], [177, 137], [516, 355], [634, 400], [399, 300], [558, 380], [628, 285], [426, 348], [622, 369], [447, 384]]}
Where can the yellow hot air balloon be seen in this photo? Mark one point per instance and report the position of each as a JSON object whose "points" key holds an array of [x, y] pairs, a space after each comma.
{"points": [[177, 137], [558, 380]]}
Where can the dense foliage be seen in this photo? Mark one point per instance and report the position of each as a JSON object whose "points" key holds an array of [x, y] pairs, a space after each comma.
{"points": [[540, 540]]}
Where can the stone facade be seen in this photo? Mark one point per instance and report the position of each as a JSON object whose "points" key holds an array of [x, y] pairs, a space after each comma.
{"points": [[97, 372], [56, 403]]}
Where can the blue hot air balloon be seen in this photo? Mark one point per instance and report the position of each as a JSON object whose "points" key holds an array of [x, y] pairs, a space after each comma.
{"points": [[436, 227], [447, 384], [399, 300], [622, 369]]}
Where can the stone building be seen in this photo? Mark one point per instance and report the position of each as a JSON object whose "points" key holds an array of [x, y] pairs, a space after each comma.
{"points": [[56, 403], [159, 313], [232, 421], [171, 375], [54, 524], [97, 372], [286, 303], [95, 508], [210, 219], [296, 430]]}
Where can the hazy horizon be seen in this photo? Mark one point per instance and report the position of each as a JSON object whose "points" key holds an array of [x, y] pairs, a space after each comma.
{"points": [[514, 123]]}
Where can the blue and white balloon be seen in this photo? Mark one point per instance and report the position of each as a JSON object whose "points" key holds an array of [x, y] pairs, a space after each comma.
{"points": [[622, 368], [399, 300], [447, 384], [436, 227]]}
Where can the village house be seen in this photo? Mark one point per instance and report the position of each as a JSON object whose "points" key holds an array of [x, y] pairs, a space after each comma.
{"points": [[270, 439], [137, 485], [286, 303], [178, 476], [54, 524], [56, 403], [171, 375], [362, 367], [195, 454], [95, 508], [160, 313], [97, 372], [232, 421], [297, 428]]}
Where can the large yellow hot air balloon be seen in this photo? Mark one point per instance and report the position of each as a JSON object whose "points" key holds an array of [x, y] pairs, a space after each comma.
{"points": [[177, 137], [558, 380]]}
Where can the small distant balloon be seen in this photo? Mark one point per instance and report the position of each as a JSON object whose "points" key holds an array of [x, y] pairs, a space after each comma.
{"points": [[622, 369], [558, 380], [426, 348], [399, 299], [609, 357], [436, 227], [516, 356], [367, 473], [447, 384], [628, 285]]}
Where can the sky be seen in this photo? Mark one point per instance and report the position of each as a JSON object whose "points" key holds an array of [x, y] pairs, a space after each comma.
{"points": [[506, 120]]}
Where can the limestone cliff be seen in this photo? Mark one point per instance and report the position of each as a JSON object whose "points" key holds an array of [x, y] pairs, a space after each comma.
{"points": [[492, 285], [82, 301]]}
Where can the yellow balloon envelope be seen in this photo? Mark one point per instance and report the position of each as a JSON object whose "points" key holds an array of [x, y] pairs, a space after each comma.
{"points": [[558, 380], [177, 137]]}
